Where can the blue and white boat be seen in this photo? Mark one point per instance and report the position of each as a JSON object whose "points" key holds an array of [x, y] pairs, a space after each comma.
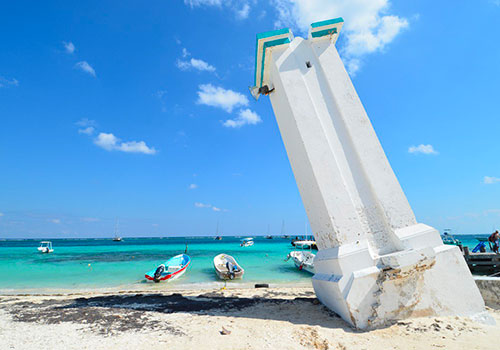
{"points": [[246, 242], [169, 270], [45, 247]]}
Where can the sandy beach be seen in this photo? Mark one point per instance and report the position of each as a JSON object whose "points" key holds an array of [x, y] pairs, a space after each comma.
{"points": [[268, 318]]}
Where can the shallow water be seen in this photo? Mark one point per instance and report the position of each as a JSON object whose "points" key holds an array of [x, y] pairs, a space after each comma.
{"points": [[78, 264], [100, 263]]}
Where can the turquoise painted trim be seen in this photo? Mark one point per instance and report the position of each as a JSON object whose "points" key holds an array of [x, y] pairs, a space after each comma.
{"points": [[271, 33], [264, 47], [320, 33], [265, 35], [327, 22]]}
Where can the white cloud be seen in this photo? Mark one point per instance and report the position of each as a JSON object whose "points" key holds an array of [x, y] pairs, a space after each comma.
{"points": [[209, 206], [106, 141], [219, 97], [89, 130], [424, 149], [85, 67], [491, 180], [368, 26], [245, 117], [110, 142], [193, 186], [241, 11], [1, 214], [87, 126], [86, 122], [55, 221], [202, 205], [4, 82], [69, 47], [195, 64], [185, 52], [244, 12], [195, 3]]}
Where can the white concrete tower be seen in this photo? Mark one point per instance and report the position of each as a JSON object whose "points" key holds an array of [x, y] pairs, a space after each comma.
{"points": [[376, 264]]}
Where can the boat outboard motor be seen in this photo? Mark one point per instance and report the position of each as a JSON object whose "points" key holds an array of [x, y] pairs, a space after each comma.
{"points": [[231, 268], [158, 273]]}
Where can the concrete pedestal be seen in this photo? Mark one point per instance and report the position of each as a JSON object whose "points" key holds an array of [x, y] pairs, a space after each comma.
{"points": [[376, 264]]}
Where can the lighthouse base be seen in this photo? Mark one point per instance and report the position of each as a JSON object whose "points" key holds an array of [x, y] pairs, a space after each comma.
{"points": [[427, 278]]}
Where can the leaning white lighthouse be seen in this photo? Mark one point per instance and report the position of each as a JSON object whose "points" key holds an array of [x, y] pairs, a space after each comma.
{"points": [[376, 264]]}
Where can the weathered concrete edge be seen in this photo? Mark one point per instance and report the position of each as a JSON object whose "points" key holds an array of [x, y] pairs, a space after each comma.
{"points": [[489, 288]]}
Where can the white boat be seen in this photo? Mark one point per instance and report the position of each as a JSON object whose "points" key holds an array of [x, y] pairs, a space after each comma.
{"points": [[116, 238], [227, 268], [45, 247], [305, 244], [303, 260], [246, 242]]}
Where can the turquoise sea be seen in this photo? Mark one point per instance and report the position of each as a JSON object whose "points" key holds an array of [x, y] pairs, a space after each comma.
{"points": [[83, 264]]}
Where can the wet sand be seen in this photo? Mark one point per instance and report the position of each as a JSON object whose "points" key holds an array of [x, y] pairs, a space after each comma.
{"points": [[268, 318]]}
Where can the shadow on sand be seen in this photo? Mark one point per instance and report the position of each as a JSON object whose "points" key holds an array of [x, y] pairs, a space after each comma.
{"points": [[121, 312]]}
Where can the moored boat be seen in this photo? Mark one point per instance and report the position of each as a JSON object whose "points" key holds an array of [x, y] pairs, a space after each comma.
{"points": [[448, 239], [45, 247], [246, 242], [305, 244], [227, 268], [303, 260], [169, 270]]}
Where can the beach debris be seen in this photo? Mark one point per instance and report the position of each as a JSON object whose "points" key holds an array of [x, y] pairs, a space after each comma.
{"points": [[225, 331], [261, 285]]}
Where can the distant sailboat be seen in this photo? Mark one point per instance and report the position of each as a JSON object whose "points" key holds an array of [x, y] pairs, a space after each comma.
{"points": [[268, 235], [116, 238], [283, 230], [217, 237]]}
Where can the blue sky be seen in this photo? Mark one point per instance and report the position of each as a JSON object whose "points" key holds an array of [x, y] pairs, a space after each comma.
{"points": [[141, 111]]}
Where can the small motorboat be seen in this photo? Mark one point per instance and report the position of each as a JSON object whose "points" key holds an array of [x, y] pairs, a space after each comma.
{"points": [[45, 247], [303, 260], [227, 268], [169, 270], [246, 242], [306, 244]]}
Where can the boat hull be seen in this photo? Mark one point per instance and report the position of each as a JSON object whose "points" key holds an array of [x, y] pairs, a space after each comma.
{"points": [[221, 269], [304, 261], [168, 276]]}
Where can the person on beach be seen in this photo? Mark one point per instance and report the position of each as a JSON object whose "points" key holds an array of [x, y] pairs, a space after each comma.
{"points": [[494, 239]]}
